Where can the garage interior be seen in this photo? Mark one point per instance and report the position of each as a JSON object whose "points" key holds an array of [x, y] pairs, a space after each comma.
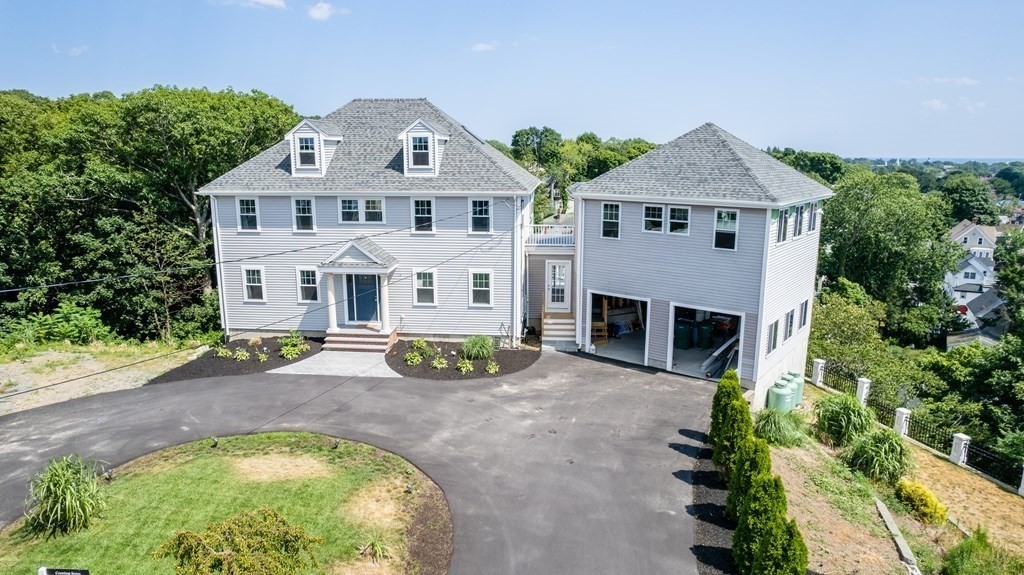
{"points": [[705, 343], [618, 327]]}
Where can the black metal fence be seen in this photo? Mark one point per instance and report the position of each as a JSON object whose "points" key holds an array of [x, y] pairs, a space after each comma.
{"points": [[938, 438], [998, 466], [839, 379], [885, 412]]}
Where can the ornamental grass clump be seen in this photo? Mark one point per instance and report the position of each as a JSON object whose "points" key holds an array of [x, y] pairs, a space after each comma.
{"points": [[976, 555], [777, 428], [842, 419], [64, 498], [881, 454], [478, 347]]}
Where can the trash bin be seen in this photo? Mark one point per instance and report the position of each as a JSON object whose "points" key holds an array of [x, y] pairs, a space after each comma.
{"points": [[705, 330], [780, 397], [684, 334]]}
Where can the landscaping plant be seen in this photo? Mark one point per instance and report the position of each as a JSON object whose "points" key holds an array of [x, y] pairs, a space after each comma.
{"points": [[63, 498], [728, 390], [439, 362], [841, 419], [478, 347], [777, 428], [735, 428], [420, 345], [376, 548], [782, 551], [262, 357], [259, 542], [464, 366], [255, 341], [293, 345], [921, 501], [881, 454], [759, 542], [976, 555], [753, 458], [241, 354], [222, 352], [492, 367], [413, 358]]}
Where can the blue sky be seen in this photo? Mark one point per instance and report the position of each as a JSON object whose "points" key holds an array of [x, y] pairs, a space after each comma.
{"points": [[939, 79]]}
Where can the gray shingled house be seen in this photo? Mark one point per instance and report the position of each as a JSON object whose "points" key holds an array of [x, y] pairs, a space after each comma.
{"points": [[705, 246]]}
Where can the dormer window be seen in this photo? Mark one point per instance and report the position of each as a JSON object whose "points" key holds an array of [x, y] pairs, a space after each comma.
{"points": [[307, 152], [420, 151]]}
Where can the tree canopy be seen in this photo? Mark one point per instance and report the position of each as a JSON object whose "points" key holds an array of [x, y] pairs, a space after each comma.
{"points": [[970, 198]]}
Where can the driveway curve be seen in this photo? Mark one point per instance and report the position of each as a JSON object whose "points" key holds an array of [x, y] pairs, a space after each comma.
{"points": [[571, 466]]}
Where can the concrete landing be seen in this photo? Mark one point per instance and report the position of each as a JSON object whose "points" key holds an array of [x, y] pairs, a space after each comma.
{"points": [[340, 364]]}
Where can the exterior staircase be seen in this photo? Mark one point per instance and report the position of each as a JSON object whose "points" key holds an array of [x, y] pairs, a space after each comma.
{"points": [[365, 339], [558, 326]]}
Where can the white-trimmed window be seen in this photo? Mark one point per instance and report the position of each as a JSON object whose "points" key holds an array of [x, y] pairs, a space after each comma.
{"points": [[480, 288], [798, 220], [420, 151], [354, 210], [772, 340], [308, 285], [812, 219], [726, 229], [373, 210], [480, 216], [426, 288], [654, 218], [610, 220], [787, 328], [252, 284], [679, 220], [981, 241], [423, 215], [248, 214], [304, 219], [307, 152], [805, 309], [965, 240], [783, 229], [970, 275], [349, 210]]}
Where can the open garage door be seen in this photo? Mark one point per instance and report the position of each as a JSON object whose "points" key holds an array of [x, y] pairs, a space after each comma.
{"points": [[704, 343], [619, 327]]}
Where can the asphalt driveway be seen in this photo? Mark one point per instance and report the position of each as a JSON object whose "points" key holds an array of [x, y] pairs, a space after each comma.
{"points": [[571, 466]]}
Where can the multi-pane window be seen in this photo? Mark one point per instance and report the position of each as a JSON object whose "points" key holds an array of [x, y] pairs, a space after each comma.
{"points": [[654, 218], [308, 289], [304, 214], [812, 219], [980, 241], [726, 227], [804, 310], [783, 229], [480, 288], [773, 337], [788, 326], [307, 152], [798, 221], [253, 278], [373, 210], [965, 241], [609, 220], [480, 216], [248, 219], [425, 289], [423, 215], [679, 221], [970, 275], [420, 151], [349, 210]]}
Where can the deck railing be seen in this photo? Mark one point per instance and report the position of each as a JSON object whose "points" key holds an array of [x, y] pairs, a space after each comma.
{"points": [[551, 235]]}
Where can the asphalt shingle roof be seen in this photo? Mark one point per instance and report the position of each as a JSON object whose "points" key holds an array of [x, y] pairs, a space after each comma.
{"points": [[369, 248], [707, 163], [982, 305], [369, 158]]}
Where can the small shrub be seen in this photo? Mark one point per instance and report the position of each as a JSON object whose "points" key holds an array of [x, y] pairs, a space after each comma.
{"points": [[781, 551], [63, 498], [976, 555], [492, 367], [464, 366], [753, 458], [376, 548], [728, 390], [293, 345], [478, 347], [255, 341], [841, 419], [420, 345], [439, 362], [413, 358], [736, 427], [241, 354], [262, 357], [763, 515], [258, 542], [880, 454], [777, 428], [222, 352], [921, 501]]}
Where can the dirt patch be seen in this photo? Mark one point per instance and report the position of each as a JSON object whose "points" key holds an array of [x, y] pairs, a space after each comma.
{"points": [[209, 365], [379, 505], [508, 360], [364, 566], [281, 466], [430, 533], [973, 500]]}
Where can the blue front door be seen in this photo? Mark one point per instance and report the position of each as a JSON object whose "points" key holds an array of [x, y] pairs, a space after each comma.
{"points": [[362, 297]]}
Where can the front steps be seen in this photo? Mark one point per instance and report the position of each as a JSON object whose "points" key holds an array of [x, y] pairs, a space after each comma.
{"points": [[360, 339], [558, 326]]}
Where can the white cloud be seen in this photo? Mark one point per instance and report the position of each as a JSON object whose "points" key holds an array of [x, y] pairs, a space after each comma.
{"points": [[324, 10], [933, 105], [955, 81], [484, 46], [972, 107], [77, 51]]}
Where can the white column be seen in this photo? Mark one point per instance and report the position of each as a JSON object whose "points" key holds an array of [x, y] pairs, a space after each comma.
{"points": [[958, 454], [818, 372], [902, 421], [385, 314], [332, 305], [863, 389]]}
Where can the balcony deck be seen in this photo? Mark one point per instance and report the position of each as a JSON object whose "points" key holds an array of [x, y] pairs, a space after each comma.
{"points": [[551, 236]]}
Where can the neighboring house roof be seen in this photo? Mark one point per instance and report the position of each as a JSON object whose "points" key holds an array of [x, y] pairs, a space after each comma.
{"points": [[369, 157], [957, 339], [970, 288], [707, 164], [985, 304], [378, 256], [990, 232], [975, 262]]}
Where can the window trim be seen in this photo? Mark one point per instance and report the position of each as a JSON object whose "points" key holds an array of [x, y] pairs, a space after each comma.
{"points": [[299, 152], [618, 221], [312, 214], [714, 230], [238, 214], [341, 211], [788, 327], [805, 312], [430, 151], [299, 284], [361, 210], [433, 215], [490, 215], [772, 341], [981, 241], [782, 231], [973, 276], [668, 217], [246, 284], [644, 218], [490, 287], [416, 287], [798, 221], [812, 220]]}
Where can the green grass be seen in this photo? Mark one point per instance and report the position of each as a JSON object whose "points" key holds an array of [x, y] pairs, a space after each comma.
{"points": [[52, 365], [8, 386], [850, 492], [189, 486]]}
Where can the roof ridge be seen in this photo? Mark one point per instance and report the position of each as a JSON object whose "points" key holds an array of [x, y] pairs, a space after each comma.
{"points": [[718, 132]]}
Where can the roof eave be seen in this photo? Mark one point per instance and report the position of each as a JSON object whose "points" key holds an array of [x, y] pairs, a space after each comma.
{"points": [[698, 201]]}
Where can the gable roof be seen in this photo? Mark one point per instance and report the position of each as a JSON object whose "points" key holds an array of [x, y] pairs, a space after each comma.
{"points": [[369, 157], [380, 258], [975, 262], [990, 232], [984, 304], [707, 164]]}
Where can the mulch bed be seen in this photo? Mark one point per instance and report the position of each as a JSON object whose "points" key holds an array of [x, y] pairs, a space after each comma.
{"points": [[712, 536], [207, 365], [508, 360]]}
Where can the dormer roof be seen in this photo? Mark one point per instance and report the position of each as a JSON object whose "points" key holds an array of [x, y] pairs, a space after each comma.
{"points": [[422, 125]]}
